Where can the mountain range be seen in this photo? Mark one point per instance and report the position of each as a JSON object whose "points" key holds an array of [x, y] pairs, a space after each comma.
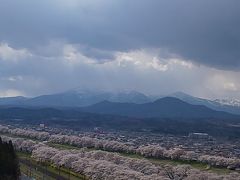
{"points": [[176, 113], [76, 98], [129, 100], [230, 106], [167, 107]]}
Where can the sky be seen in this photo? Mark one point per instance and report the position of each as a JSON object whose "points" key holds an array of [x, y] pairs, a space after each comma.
{"points": [[152, 46]]}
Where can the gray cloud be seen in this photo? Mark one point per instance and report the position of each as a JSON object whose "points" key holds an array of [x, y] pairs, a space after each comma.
{"points": [[206, 32], [153, 46], [143, 70]]}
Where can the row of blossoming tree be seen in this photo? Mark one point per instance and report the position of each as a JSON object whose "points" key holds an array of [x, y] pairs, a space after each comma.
{"points": [[153, 151], [102, 165]]}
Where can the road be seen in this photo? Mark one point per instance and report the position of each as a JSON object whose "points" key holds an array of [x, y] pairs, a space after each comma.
{"points": [[43, 170]]}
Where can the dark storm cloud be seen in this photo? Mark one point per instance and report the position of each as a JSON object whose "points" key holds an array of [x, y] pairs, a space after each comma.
{"points": [[206, 32]]}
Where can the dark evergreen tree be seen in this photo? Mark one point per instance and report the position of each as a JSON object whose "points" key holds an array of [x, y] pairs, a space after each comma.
{"points": [[9, 165]]}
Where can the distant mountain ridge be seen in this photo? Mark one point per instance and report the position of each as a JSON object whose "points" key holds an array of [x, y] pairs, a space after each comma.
{"points": [[76, 98], [167, 107], [217, 105], [18, 100], [83, 98]]}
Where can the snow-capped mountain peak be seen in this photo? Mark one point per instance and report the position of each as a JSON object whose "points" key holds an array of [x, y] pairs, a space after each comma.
{"points": [[229, 102]]}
